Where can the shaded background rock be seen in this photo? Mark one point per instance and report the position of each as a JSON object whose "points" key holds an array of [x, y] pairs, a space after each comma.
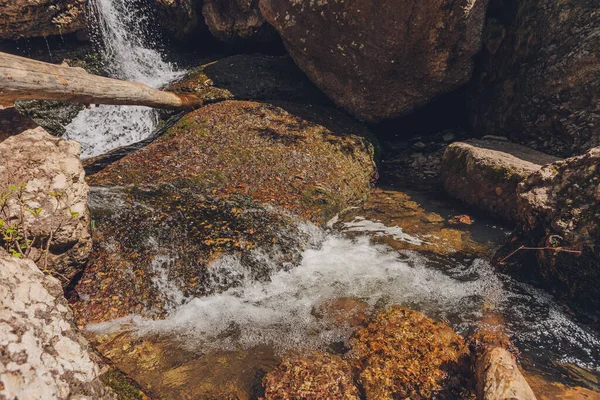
{"points": [[539, 77], [41, 354], [181, 18], [485, 173], [560, 208], [26, 18], [237, 22], [381, 60], [53, 179]]}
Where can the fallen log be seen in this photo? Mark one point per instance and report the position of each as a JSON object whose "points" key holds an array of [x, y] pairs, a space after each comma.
{"points": [[25, 79]]}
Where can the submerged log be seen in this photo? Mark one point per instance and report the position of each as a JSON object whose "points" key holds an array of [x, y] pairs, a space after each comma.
{"points": [[25, 79]]}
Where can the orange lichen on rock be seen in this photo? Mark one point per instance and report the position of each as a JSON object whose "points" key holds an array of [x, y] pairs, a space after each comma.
{"points": [[403, 354], [313, 377]]}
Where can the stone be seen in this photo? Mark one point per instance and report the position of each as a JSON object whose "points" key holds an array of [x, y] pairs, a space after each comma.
{"points": [[381, 60], [311, 377], [42, 180], [237, 21], [250, 77], [485, 173], [560, 208], [26, 18], [403, 354], [13, 123], [228, 184], [42, 356], [181, 18], [538, 78]]}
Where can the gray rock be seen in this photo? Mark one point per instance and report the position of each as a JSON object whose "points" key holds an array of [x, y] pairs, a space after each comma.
{"points": [[47, 195], [486, 173], [41, 354]]}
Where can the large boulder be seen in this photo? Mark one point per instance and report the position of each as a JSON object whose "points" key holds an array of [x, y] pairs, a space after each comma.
{"points": [[539, 81], [237, 21], [382, 59], [213, 203], [181, 18], [485, 173], [27, 18], [560, 209], [44, 199], [42, 356]]}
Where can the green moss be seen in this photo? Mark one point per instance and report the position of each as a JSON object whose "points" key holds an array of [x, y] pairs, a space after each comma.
{"points": [[121, 385]]}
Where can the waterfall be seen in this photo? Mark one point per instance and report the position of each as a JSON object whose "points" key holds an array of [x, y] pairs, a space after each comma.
{"points": [[122, 36]]}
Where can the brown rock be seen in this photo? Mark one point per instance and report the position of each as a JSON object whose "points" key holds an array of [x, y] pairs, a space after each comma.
{"points": [[181, 18], [343, 311], [560, 209], [403, 354], [13, 123], [237, 21], [42, 179], [380, 60], [485, 173], [26, 18], [313, 377], [539, 82]]}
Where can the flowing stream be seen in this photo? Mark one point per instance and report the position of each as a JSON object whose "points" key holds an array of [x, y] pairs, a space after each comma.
{"points": [[121, 29]]}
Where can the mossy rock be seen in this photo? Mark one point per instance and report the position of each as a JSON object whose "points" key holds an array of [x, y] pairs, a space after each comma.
{"points": [[308, 160]]}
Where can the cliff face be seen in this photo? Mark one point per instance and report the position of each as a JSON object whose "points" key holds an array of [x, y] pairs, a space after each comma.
{"points": [[34, 18]]}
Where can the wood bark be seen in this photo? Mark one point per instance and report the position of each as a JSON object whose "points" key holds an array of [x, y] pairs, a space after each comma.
{"points": [[25, 79]]}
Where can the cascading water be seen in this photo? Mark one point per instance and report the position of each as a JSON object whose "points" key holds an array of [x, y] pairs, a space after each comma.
{"points": [[122, 33]]}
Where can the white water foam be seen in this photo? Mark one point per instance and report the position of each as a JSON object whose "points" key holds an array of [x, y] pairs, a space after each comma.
{"points": [[127, 56], [280, 312]]}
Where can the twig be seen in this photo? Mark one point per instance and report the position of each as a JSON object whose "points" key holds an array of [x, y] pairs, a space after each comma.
{"points": [[559, 249]]}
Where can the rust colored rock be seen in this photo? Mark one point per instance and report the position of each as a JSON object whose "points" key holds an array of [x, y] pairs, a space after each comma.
{"points": [[539, 80], [343, 311], [403, 354], [313, 377], [237, 21], [380, 60], [485, 173], [560, 209], [42, 178], [27, 18]]}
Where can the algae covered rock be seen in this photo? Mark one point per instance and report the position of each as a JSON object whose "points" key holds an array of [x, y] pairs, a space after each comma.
{"points": [[381, 59], [312, 377], [560, 209], [485, 173], [403, 354], [214, 203]]}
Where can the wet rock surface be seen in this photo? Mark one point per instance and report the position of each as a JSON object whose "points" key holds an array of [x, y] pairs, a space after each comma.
{"points": [[403, 354], [381, 60], [538, 82], [45, 199], [223, 183], [25, 18], [485, 173], [560, 207], [181, 18], [312, 377], [237, 21], [41, 353], [308, 160]]}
